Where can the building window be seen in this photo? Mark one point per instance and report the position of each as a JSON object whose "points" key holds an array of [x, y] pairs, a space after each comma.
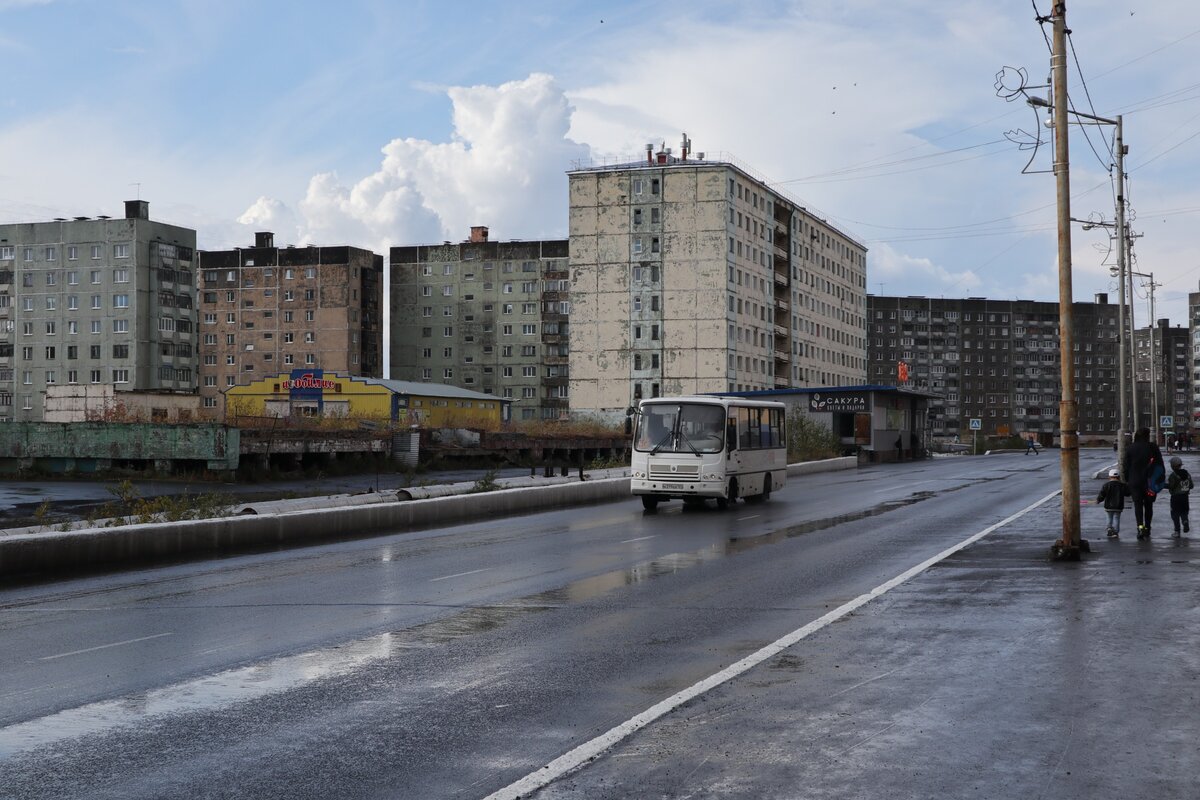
{"points": [[120, 376], [120, 251]]}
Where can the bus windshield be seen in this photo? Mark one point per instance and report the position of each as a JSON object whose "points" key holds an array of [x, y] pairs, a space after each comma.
{"points": [[681, 428]]}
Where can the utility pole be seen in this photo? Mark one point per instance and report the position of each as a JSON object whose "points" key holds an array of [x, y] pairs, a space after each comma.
{"points": [[1137, 417], [1068, 547], [1156, 412], [1123, 381]]}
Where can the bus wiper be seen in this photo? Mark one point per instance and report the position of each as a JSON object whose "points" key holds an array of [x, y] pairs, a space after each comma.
{"points": [[691, 446], [666, 438]]}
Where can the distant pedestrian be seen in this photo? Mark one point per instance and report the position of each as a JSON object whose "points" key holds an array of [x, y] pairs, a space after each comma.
{"points": [[1145, 474], [1113, 494], [1031, 445], [900, 447], [1179, 482]]}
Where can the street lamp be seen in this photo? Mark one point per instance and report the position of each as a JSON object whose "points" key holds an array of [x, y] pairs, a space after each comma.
{"points": [[1154, 411]]}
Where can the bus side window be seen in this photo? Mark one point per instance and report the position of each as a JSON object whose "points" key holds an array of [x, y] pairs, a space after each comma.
{"points": [[731, 433]]}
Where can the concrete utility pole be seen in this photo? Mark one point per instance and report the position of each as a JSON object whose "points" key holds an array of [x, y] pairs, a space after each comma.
{"points": [[1125, 384], [1068, 547]]}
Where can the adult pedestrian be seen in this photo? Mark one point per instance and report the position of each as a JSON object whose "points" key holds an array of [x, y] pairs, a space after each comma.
{"points": [[1144, 473], [900, 447], [1030, 444]]}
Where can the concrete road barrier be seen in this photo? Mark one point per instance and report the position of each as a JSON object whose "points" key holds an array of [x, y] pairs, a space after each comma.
{"points": [[45, 555]]}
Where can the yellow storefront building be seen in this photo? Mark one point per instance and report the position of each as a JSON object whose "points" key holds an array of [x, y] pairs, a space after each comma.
{"points": [[316, 393]]}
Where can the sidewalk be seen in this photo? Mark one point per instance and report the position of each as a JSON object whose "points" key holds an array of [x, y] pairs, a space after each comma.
{"points": [[994, 674]]}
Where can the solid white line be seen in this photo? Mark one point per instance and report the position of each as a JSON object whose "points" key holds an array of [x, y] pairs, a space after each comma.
{"points": [[589, 750], [639, 539], [752, 516], [458, 575], [103, 647]]}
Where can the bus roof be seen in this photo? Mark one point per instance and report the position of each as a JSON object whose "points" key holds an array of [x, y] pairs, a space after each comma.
{"points": [[714, 400]]}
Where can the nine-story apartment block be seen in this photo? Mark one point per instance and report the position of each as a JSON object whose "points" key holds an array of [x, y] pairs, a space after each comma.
{"points": [[691, 275], [484, 315], [96, 301]]}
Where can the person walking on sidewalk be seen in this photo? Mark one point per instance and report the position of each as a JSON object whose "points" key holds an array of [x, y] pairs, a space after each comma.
{"points": [[1030, 444], [1179, 482], [1112, 494], [1144, 472]]}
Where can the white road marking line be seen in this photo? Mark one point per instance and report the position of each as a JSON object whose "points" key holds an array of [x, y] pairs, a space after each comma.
{"points": [[752, 516], [639, 539], [105, 646], [591, 749], [458, 575]]}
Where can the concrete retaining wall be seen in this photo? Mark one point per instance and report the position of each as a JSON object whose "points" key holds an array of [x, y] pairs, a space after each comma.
{"points": [[50, 554]]}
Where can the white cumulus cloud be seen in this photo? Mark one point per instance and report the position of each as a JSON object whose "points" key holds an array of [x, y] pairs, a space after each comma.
{"points": [[504, 168]]}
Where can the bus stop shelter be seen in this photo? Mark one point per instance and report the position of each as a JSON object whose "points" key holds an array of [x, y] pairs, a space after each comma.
{"points": [[878, 423]]}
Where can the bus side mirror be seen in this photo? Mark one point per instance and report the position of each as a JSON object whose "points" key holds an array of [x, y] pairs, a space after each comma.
{"points": [[629, 412]]}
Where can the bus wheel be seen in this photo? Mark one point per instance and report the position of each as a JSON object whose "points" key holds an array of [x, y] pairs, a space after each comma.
{"points": [[731, 496], [650, 503]]}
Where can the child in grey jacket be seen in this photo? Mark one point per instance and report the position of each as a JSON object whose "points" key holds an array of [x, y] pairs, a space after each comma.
{"points": [[1179, 483], [1113, 494]]}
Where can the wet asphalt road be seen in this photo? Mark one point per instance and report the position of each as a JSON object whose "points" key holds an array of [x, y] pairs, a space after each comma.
{"points": [[451, 663]]}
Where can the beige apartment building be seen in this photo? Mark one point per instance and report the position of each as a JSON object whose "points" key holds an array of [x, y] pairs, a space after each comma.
{"points": [[694, 275], [266, 310], [487, 316]]}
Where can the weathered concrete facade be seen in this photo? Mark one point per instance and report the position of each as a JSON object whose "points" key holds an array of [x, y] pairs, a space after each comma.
{"points": [[692, 276], [487, 316], [266, 309], [105, 404], [95, 301]]}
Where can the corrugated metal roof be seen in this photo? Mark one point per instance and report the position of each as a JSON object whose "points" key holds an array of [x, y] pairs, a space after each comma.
{"points": [[431, 389]]}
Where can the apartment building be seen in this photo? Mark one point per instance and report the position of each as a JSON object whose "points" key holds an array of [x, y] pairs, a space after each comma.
{"points": [[95, 301], [695, 275], [1163, 376], [485, 315], [267, 309], [1194, 362], [997, 361]]}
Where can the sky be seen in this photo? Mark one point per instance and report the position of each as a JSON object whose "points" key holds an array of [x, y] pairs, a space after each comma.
{"points": [[375, 123]]}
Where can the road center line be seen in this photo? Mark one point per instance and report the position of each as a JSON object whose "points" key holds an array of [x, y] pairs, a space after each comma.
{"points": [[458, 575], [591, 749], [104, 646], [639, 539]]}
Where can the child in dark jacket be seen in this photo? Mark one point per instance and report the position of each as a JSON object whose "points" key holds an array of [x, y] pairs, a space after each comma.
{"points": [[1179, 482], [1113, 495]]}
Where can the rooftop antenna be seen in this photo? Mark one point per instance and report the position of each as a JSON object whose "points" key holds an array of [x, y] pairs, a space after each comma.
{"points": [[139, 190]]}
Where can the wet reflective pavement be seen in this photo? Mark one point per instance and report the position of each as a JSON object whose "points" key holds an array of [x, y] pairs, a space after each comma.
{"points": [[448, 664], [995, 674]]}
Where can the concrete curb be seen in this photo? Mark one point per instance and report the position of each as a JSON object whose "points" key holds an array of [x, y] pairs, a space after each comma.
{"points": [[52, 554]]}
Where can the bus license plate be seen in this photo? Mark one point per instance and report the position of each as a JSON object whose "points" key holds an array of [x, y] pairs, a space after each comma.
{"points": [[672, 485]]}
